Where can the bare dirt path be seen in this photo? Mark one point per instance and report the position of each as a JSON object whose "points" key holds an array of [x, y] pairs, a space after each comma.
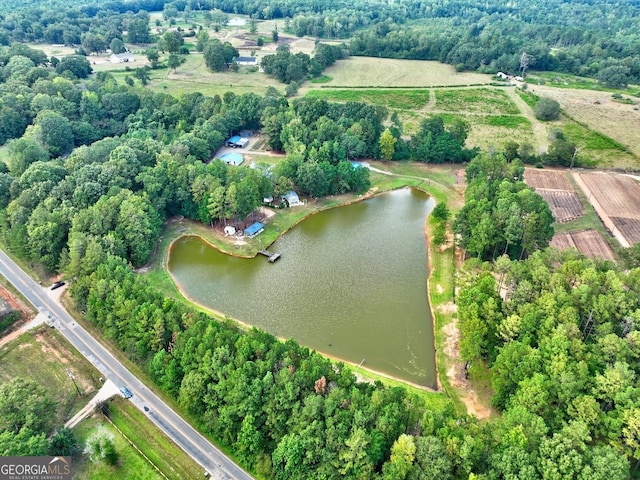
{"points": [[540, 138]]}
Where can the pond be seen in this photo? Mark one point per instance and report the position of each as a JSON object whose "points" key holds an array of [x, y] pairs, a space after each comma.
{"points": [[351, 283]]}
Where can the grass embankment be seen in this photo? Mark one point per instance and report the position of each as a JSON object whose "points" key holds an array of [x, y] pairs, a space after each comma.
{"points": [[130, 463], [165, 455]]}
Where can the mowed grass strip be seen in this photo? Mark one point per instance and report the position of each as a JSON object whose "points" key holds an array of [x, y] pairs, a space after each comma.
{"points": [[475, 100], [130, 463], [397, 99], [152, 442]]}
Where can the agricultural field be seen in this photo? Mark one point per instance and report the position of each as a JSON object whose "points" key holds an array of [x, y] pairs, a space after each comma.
{"points": [[616, 199], [588, 242], [558, 192]]}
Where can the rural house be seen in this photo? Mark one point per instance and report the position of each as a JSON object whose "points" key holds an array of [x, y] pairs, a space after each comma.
{"points": [[122, 57]]}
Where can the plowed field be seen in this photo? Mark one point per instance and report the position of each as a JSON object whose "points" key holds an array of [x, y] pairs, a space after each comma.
{"points": [[548, 179], [616, 199], [565, 206], [558, 192], [588, 242]]}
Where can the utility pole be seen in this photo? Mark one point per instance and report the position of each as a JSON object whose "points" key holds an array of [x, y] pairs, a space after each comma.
{"points": [[73, 379]]}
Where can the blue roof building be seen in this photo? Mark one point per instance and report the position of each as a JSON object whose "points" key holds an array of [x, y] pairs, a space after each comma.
{"points": [[254, 229]]}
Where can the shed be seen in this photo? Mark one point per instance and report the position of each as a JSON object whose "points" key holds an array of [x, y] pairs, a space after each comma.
{"points": [[242, 143], [231, 142], [246, 60], [254, 229], [292, 198], [237, 142], [232, 158]]}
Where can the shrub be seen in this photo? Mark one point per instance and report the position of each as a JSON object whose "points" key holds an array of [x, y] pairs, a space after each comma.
{"points": [[546, 109]]}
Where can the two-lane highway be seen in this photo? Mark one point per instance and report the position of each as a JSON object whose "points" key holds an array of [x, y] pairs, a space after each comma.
{"points": [[184, 435]]}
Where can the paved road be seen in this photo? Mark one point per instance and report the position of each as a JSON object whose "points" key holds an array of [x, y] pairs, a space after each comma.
{"points": [[199, 448]]}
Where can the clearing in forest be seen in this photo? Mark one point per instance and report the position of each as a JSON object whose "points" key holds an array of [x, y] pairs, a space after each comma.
{"points": [[484, 101]]}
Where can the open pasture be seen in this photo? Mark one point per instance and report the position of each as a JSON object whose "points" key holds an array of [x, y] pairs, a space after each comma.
{"points": [[486, 101], [588, 242], [616, 199], [600, 113], [193, 76], [388, 72]]}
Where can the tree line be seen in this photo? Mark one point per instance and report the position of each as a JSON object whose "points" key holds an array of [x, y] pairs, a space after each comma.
{"points": [[573, 37], [560, 335]]}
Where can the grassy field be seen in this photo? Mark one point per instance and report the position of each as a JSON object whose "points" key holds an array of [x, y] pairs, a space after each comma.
{"points": [[493, 101], [45, 356], [193, 76], [364, 72], [602, 117], [402, 99]]}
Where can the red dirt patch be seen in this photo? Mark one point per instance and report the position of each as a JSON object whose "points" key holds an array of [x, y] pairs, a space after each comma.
{"points": [[25, 312]]}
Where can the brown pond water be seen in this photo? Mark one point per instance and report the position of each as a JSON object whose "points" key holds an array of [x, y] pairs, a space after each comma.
{"points": [[351, 282]]}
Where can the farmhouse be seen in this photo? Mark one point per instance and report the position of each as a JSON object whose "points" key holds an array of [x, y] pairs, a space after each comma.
{"points": [[254, 229], [122, 57], [292, 199], [246, 60], [237, 142]]}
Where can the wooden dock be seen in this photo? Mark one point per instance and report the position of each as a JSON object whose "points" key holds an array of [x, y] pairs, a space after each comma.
{"points": [[271, 256]]}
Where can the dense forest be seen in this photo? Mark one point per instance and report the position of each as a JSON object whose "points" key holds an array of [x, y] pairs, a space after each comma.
{"points": [[95, 167]]}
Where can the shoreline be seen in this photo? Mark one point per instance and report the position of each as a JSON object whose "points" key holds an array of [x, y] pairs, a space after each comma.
{"points": [[246, 326], [369, 194]]}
